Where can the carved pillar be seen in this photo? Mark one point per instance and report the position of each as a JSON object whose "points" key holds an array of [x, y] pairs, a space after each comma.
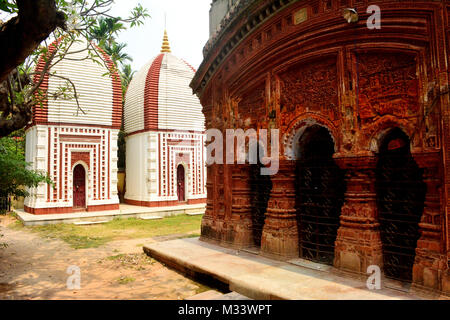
{"points": [[358, 243], [280, 235], [430, 262], [209, 230], [241, 209]]}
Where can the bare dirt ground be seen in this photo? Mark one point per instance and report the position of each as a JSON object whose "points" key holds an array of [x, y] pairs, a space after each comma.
{"points": [[33, 267]]}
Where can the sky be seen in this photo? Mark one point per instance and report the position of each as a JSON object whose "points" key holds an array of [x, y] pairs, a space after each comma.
{"points": [[187, 28], [187, 24]]}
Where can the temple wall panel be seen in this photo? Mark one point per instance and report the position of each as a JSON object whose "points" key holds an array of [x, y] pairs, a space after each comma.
{"points": [[300, 64]]}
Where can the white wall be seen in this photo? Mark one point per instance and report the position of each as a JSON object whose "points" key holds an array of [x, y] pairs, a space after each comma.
{"points": [[178, 108], [94, 89]]}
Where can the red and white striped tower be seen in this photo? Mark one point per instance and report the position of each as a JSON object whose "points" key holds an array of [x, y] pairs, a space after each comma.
{"points": [[164, 123], [77, 146]]}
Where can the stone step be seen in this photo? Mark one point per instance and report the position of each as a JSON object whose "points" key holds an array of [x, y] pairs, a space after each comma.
{"points": [[310, 264], [151, 218], [252, 250], [195, 213], [87, 223], [216, 295], [232, 296], [207, 295]]}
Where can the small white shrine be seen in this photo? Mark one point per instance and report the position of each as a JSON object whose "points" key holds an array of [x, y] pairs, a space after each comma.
{"points": [[164, 123], [76, 143]]}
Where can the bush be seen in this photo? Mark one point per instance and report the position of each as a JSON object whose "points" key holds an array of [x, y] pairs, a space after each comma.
{"points": [[14, 172]]}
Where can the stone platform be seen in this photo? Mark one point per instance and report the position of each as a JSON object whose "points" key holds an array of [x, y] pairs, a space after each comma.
{"points": [[260, 278], [125, 211]]}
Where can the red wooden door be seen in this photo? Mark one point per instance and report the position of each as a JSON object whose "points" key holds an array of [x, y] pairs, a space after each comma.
{"points": [[79, 187], [181, 186]]}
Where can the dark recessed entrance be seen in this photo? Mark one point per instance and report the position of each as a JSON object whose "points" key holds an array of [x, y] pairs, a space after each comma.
{"points": [[181, 183], [400, 198], [79, 187], [260, 187], [320, 195]]}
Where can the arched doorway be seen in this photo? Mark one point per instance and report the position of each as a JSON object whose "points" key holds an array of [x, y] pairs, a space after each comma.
{"points": [[79, 187], [400, 199], [181, 183], [260, 186], [320, 195]]}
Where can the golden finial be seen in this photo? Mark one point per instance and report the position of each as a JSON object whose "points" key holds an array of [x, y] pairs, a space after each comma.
{"points": [[165, 46]]}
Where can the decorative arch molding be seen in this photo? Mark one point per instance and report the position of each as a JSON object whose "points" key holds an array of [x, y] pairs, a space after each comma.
{"points": [[187, 172], [297, 128], [86, 181], [84, 164], [78, 156], [380, 129], [187, 179]]}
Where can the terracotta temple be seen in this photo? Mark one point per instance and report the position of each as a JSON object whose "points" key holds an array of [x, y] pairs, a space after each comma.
{"points": [[364, 120]]}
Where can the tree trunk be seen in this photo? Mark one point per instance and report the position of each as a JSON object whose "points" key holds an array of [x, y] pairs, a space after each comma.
{"points": [[21, 35]]}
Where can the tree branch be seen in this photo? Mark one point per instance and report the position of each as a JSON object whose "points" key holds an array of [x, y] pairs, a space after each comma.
{"points": [[22, 34]]}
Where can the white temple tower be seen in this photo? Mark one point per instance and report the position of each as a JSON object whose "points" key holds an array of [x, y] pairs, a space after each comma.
{"points": [[164, 123], [76, 145]]}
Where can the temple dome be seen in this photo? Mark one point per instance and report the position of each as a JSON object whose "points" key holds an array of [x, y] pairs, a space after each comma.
{"points": [[159, 96], [98, 88]]}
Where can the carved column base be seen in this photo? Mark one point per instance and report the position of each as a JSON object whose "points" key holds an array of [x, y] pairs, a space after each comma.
{"points": [[446, 280], [430, 271], [280, 237], [358, 243], [430, 265], [240, 226], [238, 233], [280, 234], [357, 249], [211, 231]]}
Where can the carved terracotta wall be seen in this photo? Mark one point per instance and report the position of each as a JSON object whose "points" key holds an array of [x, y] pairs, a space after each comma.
{"points": [[359, 84]]}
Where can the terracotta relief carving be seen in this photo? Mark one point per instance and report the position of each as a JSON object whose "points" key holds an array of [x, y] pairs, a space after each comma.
{"points": [[252, 105], [387, 85], [310, 87]]}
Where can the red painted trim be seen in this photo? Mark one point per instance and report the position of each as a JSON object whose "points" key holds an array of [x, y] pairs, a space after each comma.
{"points": [[104, 207], [151, 94], [79, 138], [77, 125], [109, 164], [44, 211], [169, 169], [165, 131], [202, 172], [60, 170], [153, 204], [160, 165], [117, 91], [50, 147], [80, 156], [40, 114], [191, 67]]}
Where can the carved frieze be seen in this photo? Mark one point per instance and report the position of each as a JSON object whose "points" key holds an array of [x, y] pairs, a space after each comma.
{"points": [[310, 87], [387, 85], [252, 105]]}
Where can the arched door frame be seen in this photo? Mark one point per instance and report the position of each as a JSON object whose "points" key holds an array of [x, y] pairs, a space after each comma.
{"points": [[378, 144], [86, 182], [320, 222], [299, 127], [186, 180]]}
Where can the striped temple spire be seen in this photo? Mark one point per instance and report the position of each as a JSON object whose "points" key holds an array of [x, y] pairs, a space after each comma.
{"points": [[165, 46]]}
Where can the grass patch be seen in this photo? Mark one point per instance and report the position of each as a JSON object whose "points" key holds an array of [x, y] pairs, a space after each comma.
{"points": [[84, 242], [125, 280], [93, 236], [132, 261]]}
